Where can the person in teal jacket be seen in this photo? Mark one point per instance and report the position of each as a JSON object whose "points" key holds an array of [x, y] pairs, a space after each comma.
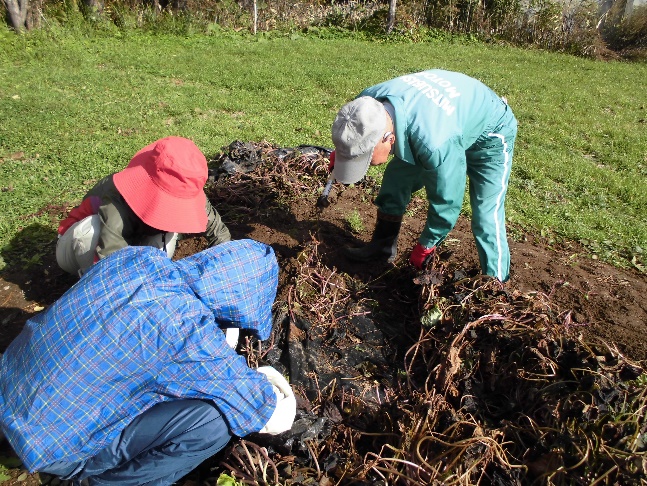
{"points": [[440, 126]]}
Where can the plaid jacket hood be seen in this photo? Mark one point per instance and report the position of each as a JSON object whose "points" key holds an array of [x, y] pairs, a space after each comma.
{"points": [[238, 286]]}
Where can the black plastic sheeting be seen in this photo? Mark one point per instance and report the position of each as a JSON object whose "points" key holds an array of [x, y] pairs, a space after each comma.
{"points": [[245, 157], [352, 357]]}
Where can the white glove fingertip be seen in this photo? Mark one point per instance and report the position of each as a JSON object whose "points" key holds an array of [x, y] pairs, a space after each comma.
{"points": [[231, 336], [279, 394]]}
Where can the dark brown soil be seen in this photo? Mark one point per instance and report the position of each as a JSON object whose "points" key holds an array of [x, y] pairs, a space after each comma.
{"points": [[603, 301], [608, 300]]}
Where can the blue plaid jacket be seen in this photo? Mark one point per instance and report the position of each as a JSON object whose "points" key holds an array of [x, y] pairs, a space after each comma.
{"points": [[138, 329]]}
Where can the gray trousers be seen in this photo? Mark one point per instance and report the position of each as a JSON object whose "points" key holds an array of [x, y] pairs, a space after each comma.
{"points": [[157, 448]]}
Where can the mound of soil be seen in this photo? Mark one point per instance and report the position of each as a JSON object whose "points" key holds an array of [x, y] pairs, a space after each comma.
{"points": [[391, 364]]}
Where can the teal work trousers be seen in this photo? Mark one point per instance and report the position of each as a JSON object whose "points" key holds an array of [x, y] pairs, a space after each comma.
{"points": [[487, 163]]}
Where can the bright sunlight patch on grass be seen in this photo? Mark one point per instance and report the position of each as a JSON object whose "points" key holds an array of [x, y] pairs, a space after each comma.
{"points": [[75, 108]]}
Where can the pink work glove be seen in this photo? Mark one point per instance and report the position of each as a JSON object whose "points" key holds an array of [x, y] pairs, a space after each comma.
{"points": [[331, 165], [420, 255]]}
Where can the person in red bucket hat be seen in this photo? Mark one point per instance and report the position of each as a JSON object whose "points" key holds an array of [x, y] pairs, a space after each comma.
{"points": [[157, 196]]}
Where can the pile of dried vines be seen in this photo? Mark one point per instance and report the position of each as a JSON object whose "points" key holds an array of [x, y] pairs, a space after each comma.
{"points": [[498, 388]]}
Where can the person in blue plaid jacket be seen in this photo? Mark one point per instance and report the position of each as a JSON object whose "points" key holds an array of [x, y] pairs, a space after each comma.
{"points": [[128, 379]]}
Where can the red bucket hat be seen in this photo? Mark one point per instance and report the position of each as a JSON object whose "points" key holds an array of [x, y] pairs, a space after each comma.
{"points": [[163, 184]]}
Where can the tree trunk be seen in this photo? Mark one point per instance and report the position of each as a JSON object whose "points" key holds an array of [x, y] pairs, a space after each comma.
{"points": [[255, 16], [17, 12], [34, 14], [391, 19]]}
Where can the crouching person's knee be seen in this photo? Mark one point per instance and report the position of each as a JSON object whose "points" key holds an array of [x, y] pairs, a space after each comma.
{"points": [[210, 432], [158, 447], [75, 249]]}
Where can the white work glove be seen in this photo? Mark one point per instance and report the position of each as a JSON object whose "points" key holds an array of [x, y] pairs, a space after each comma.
{"points": [[231, 336], [286, 403]]}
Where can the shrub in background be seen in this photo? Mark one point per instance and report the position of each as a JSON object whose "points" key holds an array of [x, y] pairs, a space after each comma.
{"points": [[575, 26], [625, 32]]}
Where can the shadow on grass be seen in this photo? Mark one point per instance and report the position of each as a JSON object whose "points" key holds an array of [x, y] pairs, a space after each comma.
{"points": [[30, 280]]}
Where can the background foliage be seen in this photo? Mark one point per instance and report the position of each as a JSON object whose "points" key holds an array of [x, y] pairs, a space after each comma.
{"points": [[594, 28]]}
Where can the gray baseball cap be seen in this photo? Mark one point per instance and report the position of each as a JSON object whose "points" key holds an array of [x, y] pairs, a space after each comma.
{"points": [[357, 129]]}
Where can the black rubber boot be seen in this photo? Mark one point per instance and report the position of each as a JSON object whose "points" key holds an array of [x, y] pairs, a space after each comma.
{"points": [[384, 243]]}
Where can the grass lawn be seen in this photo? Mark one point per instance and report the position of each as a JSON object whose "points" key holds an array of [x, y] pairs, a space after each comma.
{"points": [[75, 107]]}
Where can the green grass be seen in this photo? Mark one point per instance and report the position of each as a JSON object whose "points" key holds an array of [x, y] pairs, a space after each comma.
{"points": [[79, 104], [354, 221]]}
